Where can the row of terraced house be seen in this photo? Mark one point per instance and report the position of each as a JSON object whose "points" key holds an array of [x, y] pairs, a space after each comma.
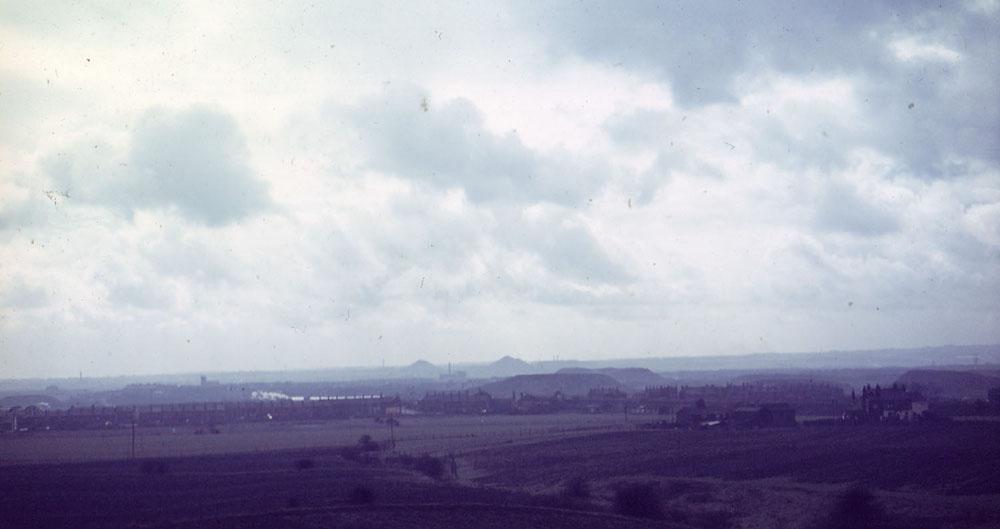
{"points": [[199, 413]]}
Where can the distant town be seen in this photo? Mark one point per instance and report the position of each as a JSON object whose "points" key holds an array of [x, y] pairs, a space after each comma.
{"points": [[711, 398]]}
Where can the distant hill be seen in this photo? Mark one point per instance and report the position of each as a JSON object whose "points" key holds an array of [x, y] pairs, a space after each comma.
{"points": [[921, 357], [421, 364], [548, 384], [632, 377], [509, 366], [421, 369], [846, 367], [950, 384]]}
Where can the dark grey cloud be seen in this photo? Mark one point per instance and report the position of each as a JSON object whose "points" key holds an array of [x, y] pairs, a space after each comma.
{"points": [[664, 133], [568, 250], [446, 144], [193, 161], [922, 112]]}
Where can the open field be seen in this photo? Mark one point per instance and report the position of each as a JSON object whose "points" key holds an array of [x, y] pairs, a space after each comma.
{"points": [[414, 435], [267, 490], [942, 475], [951, 458], [513, 471]]}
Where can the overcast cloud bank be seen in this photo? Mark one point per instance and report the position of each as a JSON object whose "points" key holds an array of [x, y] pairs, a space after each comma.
{"points": [[190, 187]]}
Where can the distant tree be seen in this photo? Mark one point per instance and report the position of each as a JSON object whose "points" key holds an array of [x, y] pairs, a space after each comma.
{"points": [[429, 465], [367, 444], [361, 495], [640, 500], [857, 507]]}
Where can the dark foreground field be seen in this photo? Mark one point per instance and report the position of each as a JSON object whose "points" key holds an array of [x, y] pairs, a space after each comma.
{"points": [[939, 475], [315, 488], [926, 476]]}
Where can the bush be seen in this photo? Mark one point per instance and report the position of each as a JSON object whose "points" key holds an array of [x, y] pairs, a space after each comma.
{"points": [[154, 466], [640, 500], [306, 463], [431, 466], [856, 507], [360, 495], [578, 488], [366, 444]]}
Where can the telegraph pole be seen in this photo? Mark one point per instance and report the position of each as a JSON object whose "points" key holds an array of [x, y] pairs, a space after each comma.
{"points": [[392, 433], [391, 419], [134, 413]]}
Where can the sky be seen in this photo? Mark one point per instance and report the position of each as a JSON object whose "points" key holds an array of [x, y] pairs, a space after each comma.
{"points": [[217, 186]]}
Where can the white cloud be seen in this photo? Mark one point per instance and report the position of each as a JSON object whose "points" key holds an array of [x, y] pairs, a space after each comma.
{"points": [[986, 7], [983, 221], [194, 161], [912, 49]]}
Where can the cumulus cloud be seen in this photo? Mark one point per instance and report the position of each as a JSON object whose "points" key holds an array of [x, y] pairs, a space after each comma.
{"points": [[518, 195], [983, 221], [312, 185], [911, 49], [407, 133], [193, 161], [564, 246], [707, 52]]}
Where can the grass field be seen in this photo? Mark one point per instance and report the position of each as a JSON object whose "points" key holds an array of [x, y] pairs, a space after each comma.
{"points": [[414, 435], [952, 458], [267, 490], [514, 471], [930, 476]]}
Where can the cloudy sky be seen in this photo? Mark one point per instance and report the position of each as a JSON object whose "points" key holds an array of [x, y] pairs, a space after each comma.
{"points": [[236, 186]]}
